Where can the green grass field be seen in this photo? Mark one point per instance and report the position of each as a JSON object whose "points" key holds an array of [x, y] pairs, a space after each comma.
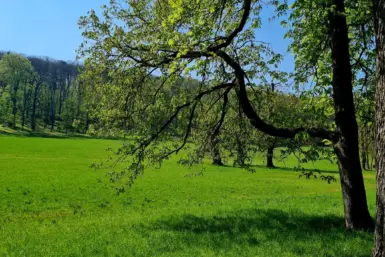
{"points": [[51, 204]]}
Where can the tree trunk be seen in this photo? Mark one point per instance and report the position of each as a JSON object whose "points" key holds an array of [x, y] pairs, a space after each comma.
{"points": [[60, 102], [34, 104], [53, 117], [379, 12], [87, 124], [28, 109], [241, 146], [269, 159], [364, 161], [270, 154], [52, 110], [14, 103], [216, 153], [364, 156], [241, 155], [346, 146], [372, 160], [25, 99]]}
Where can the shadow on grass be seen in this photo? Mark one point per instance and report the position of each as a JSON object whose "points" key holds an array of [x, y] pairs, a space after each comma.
{"points": [[37, 134], [279, 168], [294, 232], [292, 169]]}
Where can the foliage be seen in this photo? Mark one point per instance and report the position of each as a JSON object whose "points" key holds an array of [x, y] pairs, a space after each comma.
{"points": [[34, 92], [131, 43]]}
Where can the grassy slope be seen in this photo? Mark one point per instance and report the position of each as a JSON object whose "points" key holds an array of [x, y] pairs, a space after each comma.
{"points": [[52, 205]]}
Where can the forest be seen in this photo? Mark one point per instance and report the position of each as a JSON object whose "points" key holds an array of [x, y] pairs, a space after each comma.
{"points": [[41, 93], [199, 103]]}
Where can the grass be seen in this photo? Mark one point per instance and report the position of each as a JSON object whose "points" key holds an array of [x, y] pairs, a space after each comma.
{"points": [[51, 204]]}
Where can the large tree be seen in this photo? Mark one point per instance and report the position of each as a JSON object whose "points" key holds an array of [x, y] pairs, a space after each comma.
{"points": [[216, 39], [320, 31], [379, 14]]}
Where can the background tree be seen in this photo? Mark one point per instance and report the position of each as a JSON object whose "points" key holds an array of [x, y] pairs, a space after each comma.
{"points": [[14, 71], [34, 90]]}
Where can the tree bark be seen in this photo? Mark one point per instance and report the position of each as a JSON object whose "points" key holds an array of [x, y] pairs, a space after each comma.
{"points": [[379, 13], [346, 147]]}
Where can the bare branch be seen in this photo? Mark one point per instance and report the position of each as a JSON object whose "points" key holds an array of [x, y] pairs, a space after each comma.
{"points": [[223, 113], [148, 141], [187, 134]]}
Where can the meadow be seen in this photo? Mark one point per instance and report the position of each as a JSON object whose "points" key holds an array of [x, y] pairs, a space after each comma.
{"points": [[53, 204]]}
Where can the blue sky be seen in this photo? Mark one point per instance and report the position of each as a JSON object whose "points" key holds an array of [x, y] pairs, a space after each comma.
{"points": [[43, 27], [49, 28]]}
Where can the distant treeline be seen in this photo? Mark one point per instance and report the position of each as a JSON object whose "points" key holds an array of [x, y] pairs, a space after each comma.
{"points": [[38, 92]]}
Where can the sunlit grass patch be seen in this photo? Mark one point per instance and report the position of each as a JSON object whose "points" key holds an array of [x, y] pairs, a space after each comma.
{"points": [[53, 204]]}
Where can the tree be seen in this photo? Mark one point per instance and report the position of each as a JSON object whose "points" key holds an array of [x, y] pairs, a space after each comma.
{"points": [[216, 40], [6, 107], [379, 21], [285, 110], [365, 118], [330, 19], [39, 77], [14, 70], [25, 103], [68, 114]]}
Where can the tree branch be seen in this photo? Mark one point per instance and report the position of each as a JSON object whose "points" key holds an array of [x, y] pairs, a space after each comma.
{"points": [[187, 134], [255, 120], [246, 13], [148, 141], [223, 113]]}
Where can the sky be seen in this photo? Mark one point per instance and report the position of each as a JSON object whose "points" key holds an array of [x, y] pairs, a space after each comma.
{"points": [[49, 28], [43, 27]]}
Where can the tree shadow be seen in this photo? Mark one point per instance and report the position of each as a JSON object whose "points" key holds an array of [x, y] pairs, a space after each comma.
{"points": [[284, 168], [41, 134], [294, 232], [280, 168]]}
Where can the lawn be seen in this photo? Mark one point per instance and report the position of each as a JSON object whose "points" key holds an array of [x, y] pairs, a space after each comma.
{"points": [[53, 204]]}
